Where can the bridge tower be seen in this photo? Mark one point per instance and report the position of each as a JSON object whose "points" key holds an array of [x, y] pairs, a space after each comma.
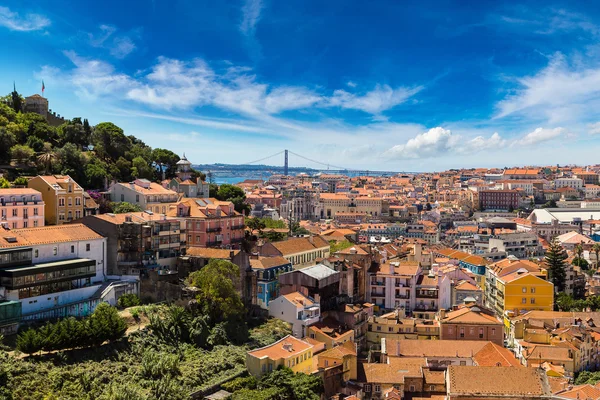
{"points": [[285, 163]]}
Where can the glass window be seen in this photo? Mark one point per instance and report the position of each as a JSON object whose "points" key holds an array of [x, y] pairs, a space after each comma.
{"points": [[87, 247], [55, 250]]}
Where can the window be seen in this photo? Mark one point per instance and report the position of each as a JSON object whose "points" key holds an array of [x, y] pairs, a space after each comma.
{"points": [[25, 225], [533, 300], [377, 388], [36, 253], [326, 363], [55, 250], [411, 388], [463, 363], [532, 290], [15, 212], [72, 249], [70, 188], [390, 329], [524, 300], [122, 197], [61, 202], [70, 201], [137, 198], [264, 368], [35, 211], [367, 388], [480, 333], [493, 331], [524, 289], [87, 247], [462, 332], [432, 388], [77, 201], [379, 328]]}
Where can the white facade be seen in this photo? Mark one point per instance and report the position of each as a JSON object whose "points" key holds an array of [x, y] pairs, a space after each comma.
{"points": [[592, 191], [574, 183], [297, 310]]}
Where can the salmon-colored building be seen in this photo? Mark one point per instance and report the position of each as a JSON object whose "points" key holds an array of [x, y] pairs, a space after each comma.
{"points": [[471, 322], [21, 208], [209, 222]]}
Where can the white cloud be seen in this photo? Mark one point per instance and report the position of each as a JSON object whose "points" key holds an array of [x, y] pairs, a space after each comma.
{"points": [[351, 84], [119, 46], [250, 16], [380, 99], [594, 128], [557, 93], [540, 135], [439, 142], [27, 22]]}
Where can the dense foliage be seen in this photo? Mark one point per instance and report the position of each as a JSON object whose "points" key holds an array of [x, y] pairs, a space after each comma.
{"points": [[587, 377], [93, 156], [565, 302], [235, 194], [280, 384], [128, 300], [124, 207], [104, 324]]}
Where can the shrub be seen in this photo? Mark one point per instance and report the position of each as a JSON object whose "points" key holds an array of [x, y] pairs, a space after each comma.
{"points": [[128, 300]]}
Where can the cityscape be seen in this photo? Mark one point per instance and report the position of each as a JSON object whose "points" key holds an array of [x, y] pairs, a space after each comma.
{"points": [[218, 217]]}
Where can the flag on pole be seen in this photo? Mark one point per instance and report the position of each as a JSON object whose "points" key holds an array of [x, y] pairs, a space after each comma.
{"points": [[43, 87]]}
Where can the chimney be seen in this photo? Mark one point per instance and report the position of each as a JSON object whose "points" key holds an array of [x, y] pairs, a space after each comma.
{"points": [[442, 314], [311, 240]]}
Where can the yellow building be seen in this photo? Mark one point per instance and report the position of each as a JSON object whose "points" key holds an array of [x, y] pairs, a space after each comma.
{"points": [[523, 291], [63, 198], [341, 203], [288, 352], [330, 333]]}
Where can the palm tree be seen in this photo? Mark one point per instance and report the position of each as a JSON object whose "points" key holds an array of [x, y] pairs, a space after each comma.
{"points": [[579, 250], [46, 158], [596, 250]]}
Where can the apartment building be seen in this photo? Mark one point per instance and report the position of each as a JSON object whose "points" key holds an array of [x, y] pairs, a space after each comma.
{"points": [[395, 325], [209, 222], [500, 199], [139, 241], [150, 196], [393, 285], [471, 322], [573, 183], [296, 309], [63, 198], [21, 208], [301, 252], [520, 245], [52, 271], [267, 270], [332, 203], [517, 285]]}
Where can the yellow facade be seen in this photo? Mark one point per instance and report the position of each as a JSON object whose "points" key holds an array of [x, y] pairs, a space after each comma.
{"points": [[62, 196], [525, 292], [388, 327], [330, 340], [269, 358]]}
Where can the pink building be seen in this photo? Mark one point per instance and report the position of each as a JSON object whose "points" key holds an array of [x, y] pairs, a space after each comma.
{"points": [[21, 208], [210, 222]]}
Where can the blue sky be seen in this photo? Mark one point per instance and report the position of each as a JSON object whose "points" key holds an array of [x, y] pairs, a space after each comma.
{"points": [[385, 85]]}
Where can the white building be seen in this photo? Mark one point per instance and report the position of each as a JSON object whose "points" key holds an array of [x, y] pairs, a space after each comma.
{"points": [[574, 183], [53, 271], [150, 196], [296, 309]]}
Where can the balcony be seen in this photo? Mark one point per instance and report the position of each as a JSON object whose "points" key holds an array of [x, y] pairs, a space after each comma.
{"points": [[374, 294], [427, 295], [214, 229], [214, 242], [376, 283], [425, 307], [402, 296], [235, 227]]}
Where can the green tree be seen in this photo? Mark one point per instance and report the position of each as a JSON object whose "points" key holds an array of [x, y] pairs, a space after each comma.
{"points": [[128, 300], [29, 342], [21, 181], [72, 162], [550, 204], [125, 207], [337, 246], [21, 153], [16, 101], [47, 158], [166, 161], [96, 173], [109, 141], [555, 260], [106, 324], [72, 132], [7, 141], [35, 143], [4, 183], [227, 192], [255, 224], [218, 296], [141, 168], [273, 236]]}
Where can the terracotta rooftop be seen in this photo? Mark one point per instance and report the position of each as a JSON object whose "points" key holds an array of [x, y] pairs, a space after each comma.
{"points": [[470, 315], [492, 355], [267, 262], [284, 348], [477, 382], [393, 372], [46, 235], [222, 254], [298, 299], [300, 245]]}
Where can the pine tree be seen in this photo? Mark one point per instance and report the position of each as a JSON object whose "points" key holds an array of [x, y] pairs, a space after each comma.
{"points": [[555, 260], [16, 100]]}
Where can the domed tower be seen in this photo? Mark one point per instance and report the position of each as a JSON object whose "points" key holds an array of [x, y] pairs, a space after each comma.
{"points": [[184, 169]]}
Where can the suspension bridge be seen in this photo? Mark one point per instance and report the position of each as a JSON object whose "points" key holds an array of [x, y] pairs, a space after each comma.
{"points": [[322, 166]]}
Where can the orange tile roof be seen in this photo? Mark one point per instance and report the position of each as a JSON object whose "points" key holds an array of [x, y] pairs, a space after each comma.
{"points": [[47, 234], [468, 315], [493, 355], [267, 262], [496, 381], [299, 245], [298, 299], [18, 192], [202, 252], [393, 372], [284, 348]]}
